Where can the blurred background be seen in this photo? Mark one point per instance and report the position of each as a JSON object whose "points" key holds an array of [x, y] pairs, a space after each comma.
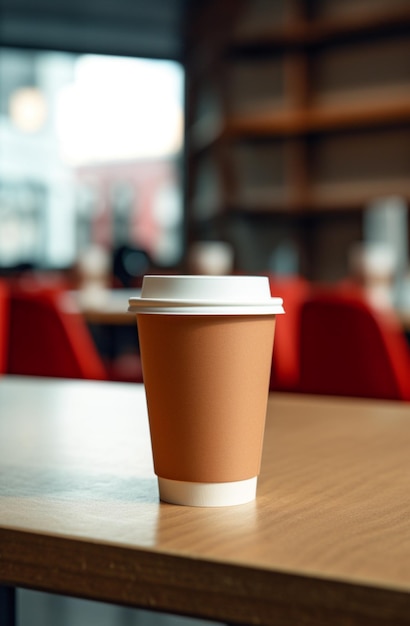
{"points": [[279, 129], [254, 136]]}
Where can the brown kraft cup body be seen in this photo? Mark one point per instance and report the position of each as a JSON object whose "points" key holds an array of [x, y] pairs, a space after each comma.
{"points": [[207, 381]]}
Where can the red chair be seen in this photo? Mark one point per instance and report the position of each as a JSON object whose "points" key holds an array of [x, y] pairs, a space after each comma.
{"points": [[4, 325], [347, 348], [46, 339], [285, 362]]}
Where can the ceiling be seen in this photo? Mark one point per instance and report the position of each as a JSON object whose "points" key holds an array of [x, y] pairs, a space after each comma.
{"points": [[145, 28]]}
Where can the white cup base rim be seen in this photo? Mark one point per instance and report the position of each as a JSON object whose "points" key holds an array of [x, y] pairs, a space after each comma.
{"points": [[207, 494]]}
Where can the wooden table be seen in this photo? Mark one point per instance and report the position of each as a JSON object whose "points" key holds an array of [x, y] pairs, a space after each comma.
{"points": [[326, 542], [102, 307]]}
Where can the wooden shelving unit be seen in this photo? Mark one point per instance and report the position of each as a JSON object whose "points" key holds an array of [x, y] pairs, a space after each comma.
{"points": [[298, 117], [308, 121]]}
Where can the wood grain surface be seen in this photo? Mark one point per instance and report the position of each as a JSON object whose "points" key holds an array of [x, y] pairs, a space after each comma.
{"points": [[327, 540]]}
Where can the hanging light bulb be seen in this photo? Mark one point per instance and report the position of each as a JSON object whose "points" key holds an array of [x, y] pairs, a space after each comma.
{"points": [[28, 109]]}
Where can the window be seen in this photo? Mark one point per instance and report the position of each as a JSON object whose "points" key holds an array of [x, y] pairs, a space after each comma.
{"points": [[90, 153]]}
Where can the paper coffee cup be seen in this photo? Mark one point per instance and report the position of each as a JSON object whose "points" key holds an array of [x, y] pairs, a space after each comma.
{"points": [[206, 349]]}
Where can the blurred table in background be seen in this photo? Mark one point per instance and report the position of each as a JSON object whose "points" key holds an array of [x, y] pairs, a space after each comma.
{"points": [[102, 306], [113, 329]]}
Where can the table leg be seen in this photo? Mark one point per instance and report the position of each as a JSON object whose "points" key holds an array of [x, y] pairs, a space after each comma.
{"points": [[7, 606]]}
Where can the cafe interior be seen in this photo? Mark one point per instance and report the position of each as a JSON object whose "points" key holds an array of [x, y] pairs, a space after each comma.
{"points": [[251, 137]]}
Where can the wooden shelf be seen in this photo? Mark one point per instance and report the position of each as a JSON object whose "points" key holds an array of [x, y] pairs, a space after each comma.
{"points": [[284, 123], [320, 31], [347, 195], [351, 194], [333, 118]]}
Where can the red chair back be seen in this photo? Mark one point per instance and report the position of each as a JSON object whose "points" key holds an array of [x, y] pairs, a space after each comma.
{"points": [[48, 340], [286, 351], [350, 349], [4, 325]]}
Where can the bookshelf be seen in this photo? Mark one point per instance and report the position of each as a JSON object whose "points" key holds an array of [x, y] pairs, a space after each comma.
{"points": [[298, 116]]}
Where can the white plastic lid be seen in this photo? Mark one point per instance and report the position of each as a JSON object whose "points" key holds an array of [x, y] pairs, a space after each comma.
{"points": [[199, 295]]}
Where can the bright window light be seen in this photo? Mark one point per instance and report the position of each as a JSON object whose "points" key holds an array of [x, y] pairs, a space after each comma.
{"points": [[117, 109]]}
